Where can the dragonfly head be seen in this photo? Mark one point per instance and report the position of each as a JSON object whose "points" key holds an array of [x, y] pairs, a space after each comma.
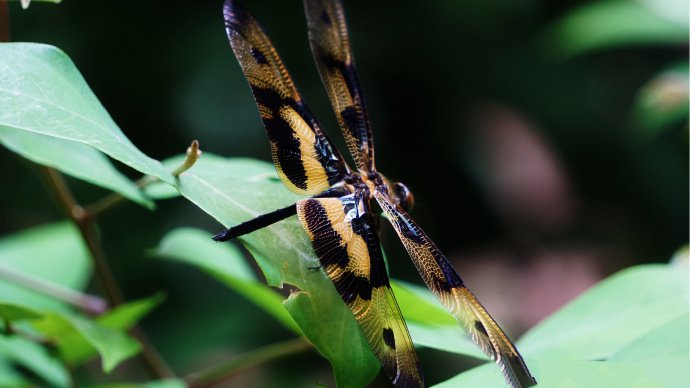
{"points": [[403, 196]]}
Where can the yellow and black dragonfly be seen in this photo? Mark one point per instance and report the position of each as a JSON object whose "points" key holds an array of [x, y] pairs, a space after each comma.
{"points": [[339, 217]]}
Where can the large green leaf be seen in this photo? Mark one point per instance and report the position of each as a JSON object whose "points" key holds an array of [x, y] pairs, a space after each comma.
{"points": [[612, 314], [604, 24], [629, 330], [42, 92], [559, 372], [51, 253], [235, 190], [667, 341], [227, 264]]}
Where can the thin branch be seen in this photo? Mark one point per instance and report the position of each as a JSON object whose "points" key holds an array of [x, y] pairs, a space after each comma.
{"points": [[106, 203], [89, 233], [224, 371], [4, 21], [101, 206], [92, 305]]}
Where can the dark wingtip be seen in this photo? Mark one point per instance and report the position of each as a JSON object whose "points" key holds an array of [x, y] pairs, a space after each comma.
{"points": [[235, 14]]}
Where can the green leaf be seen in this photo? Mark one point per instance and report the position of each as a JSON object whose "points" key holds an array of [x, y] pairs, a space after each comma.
{"points": [[15, 312], [604, 24], [675, 11], [320, 323], [236, 190], [113, 345], [127, 315], [9, 376], [54, 253], [449, 338], [663, 100], [168, 383], [419, 305], [43, 93], [76, 159], [559, 372], [76, 349], [629, 330], [667, 341], [612, 314], [226, 263], [34, 357]]}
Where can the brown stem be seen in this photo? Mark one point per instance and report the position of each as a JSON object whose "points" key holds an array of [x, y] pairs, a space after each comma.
{"points": [[4, 21], [88, 232], [85, 223], [219, 373], [108, 202]]}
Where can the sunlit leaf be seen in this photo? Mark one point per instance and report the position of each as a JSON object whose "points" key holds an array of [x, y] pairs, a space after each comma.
{"points": [[227, 264], [54, 253], [612, 314], [663, 100], [667, 341], [675, 11], [603, 24], [42, 92], [559, 372], [236, 190]]}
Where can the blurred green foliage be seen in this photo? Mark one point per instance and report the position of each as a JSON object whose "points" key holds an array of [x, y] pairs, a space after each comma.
{"points": [[604, 85]]}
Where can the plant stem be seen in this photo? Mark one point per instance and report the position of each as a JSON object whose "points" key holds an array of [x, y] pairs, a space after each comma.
{"points": [[92, 305], [218, 373], [4, 21], [85, 223], [108, 202], [88, 232]]}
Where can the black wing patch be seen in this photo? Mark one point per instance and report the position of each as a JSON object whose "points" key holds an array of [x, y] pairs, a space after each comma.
{"points": [[305, 159], [345, 240], [445, 283], [330, 45]]}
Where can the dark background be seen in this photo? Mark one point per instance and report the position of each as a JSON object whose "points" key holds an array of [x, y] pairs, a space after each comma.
{"points": [[532, 169]]}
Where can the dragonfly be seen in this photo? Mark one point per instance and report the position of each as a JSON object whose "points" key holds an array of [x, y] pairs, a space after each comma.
{"points": [[340, 213]]}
